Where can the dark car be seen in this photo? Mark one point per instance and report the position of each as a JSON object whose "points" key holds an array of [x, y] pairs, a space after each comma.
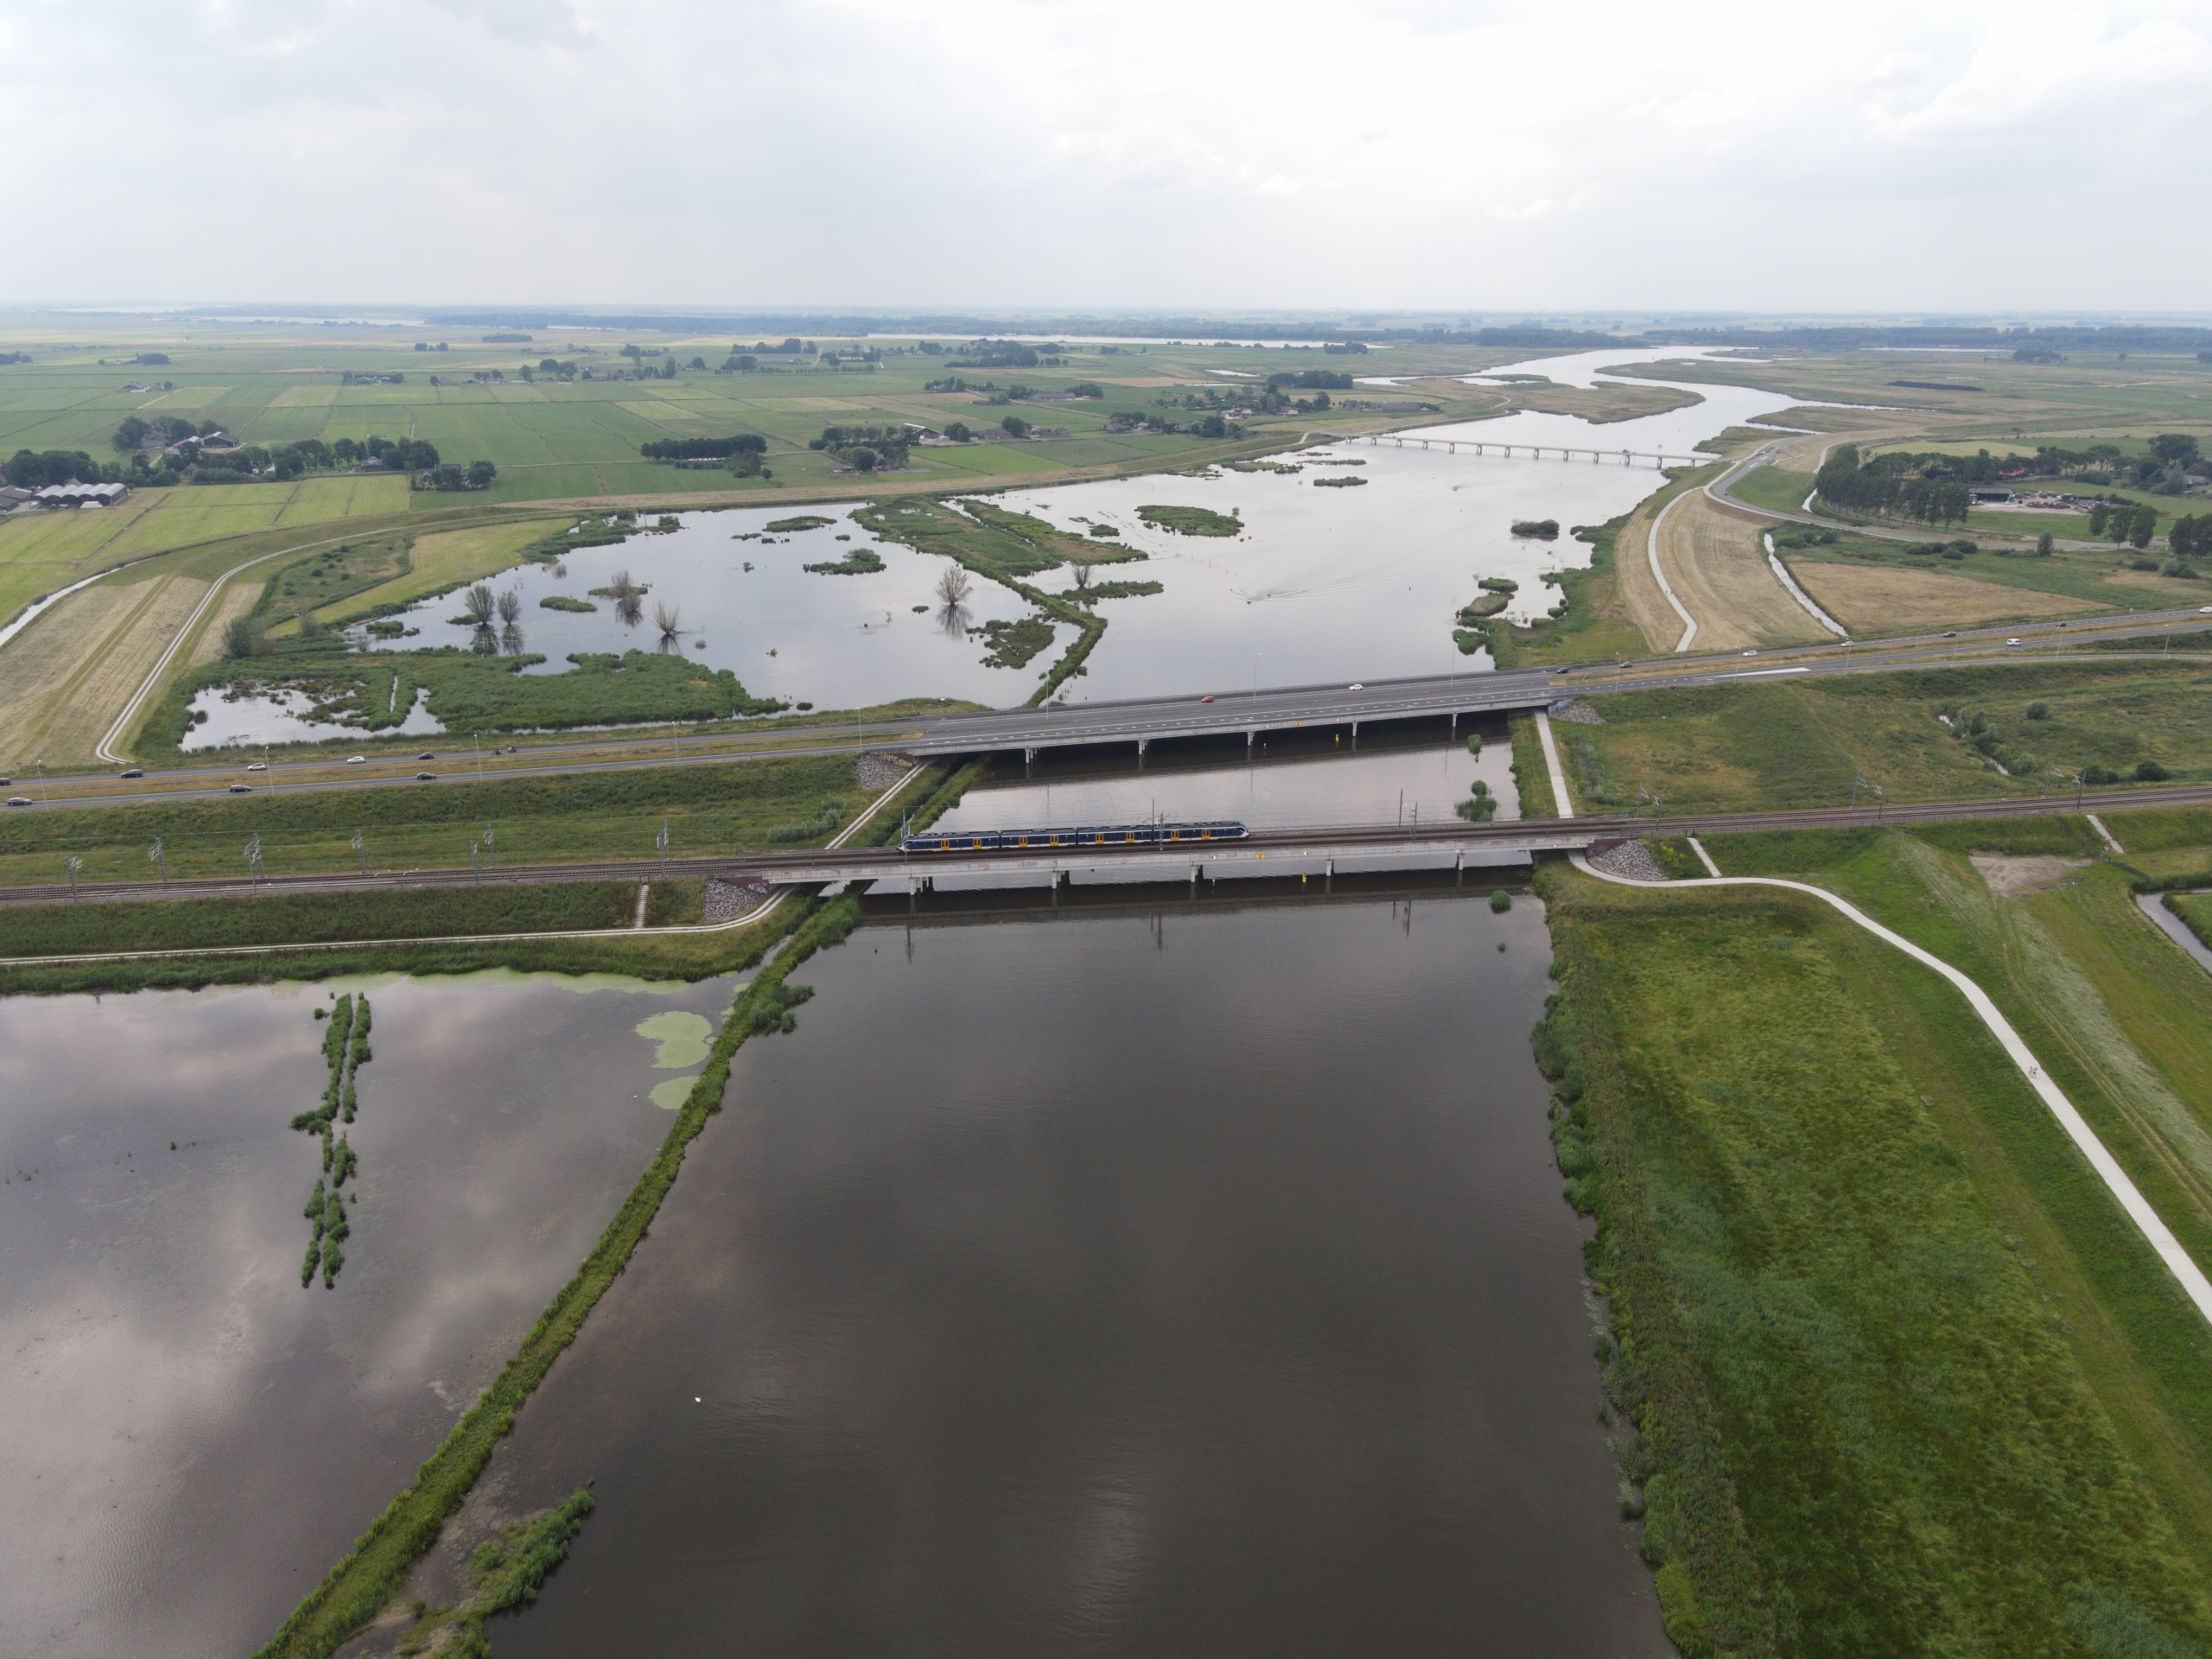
{"points": [[426, 756], [20, 800], [135, 771], [424, 777], [241, 789]]}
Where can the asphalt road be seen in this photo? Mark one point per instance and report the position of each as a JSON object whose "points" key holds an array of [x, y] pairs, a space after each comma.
{"points": [[1153, 718]]}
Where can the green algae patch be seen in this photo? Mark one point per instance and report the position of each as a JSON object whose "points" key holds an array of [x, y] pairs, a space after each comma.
{"points": [[670, 1093], [682, 1039]]}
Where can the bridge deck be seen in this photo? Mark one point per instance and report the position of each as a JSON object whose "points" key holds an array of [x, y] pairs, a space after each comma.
{"points": [[1178, 859]]}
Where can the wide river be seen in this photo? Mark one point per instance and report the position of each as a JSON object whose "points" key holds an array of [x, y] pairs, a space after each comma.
{"points": [[1192, 1280], [1322, 583]]}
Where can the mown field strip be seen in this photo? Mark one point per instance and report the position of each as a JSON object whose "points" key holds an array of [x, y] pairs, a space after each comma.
{"points": [[2154, 1231]]}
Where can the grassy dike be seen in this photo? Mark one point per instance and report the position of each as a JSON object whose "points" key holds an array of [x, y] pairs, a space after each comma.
{"points": [[284, 918], [376, 1569], [1901, 1377]]}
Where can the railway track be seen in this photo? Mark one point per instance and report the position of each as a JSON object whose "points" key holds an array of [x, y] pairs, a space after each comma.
{"points": [[1288, 841]]}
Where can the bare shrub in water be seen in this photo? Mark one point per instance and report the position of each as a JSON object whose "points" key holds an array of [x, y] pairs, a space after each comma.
{"points": [[479, 607], [668, 618]]}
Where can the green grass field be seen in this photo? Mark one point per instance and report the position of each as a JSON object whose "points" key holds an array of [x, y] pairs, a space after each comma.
{"points": [[1910, 1381], [708, 810], [1802, 744], [553, 440], [296, 918]]}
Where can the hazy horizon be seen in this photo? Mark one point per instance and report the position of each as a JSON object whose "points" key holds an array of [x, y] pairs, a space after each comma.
{"points": [[1958, 156]]}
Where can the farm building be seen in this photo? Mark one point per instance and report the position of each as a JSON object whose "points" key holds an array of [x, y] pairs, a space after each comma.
{"points": [[73, 494]]}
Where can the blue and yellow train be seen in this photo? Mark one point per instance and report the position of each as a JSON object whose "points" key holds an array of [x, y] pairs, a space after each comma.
{"points": [[1116, 835]]}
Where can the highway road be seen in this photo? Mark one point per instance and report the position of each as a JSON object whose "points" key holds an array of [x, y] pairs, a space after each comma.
{"points": [[861, 863], [1139, 721]]}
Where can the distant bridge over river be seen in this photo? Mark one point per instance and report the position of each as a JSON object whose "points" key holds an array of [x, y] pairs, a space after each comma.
{"points": [[1534, 451]]}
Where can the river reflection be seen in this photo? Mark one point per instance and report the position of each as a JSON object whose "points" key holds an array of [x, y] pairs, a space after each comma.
{"points": [[191, 1440], [1185, 1284]]}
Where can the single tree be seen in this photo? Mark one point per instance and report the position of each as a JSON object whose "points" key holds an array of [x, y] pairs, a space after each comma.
{"points": [[478, 606]]}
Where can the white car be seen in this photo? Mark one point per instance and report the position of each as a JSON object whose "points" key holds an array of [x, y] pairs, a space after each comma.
{"points": [[1355, 686], [257, 765], [2012, 642], [2204, 610], [1750, 653], [356, 760]]}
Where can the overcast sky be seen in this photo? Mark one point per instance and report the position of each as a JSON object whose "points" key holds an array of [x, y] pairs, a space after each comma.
{"points": [[1200, 154]]}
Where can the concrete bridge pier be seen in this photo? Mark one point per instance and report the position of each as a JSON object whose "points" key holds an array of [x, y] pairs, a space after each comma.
{"points": [[1028, 762], [1251, 734], [1329, 876], [1459, 868], [1142, 744]]}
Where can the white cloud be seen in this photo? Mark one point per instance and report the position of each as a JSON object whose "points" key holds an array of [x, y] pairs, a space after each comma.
{"points": [[979, 153]]}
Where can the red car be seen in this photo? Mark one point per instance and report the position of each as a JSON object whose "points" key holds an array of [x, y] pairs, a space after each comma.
{"points": [[1205, 699]]}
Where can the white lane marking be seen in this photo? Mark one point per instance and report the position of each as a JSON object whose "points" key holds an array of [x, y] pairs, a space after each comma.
{"points": [[1651, 550], [1761, 673], [2155, 1231]]}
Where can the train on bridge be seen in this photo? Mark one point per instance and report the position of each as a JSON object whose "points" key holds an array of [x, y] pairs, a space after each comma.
{"points": [[1117, 834]]}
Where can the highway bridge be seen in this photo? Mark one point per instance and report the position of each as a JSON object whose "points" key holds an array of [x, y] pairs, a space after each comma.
{"points": [[1338, 706], [1142, 723]]}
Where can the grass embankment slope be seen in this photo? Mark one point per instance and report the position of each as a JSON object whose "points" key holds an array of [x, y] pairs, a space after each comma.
{"points": [[708, 810], [294, 918], [1906, 1380], [1715, 561], [1801, 743]]}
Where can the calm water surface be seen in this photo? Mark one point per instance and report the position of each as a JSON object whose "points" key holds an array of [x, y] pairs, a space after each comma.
{"points": [[841, 641], [1196, 1283], [1322, 584], [191, 1440]]}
